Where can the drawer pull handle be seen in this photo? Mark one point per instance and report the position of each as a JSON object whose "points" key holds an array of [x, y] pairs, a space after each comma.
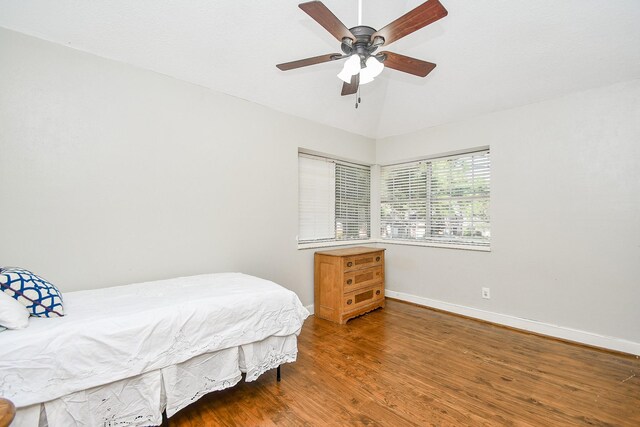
{"points": [[377, 258], [349, 302], [349, 281], [349, 264], [378, 292]]}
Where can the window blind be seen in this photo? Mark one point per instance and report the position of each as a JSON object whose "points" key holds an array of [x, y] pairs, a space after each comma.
{"points": [[334, 200], [316, 199], [443, 200], [353, 202]]}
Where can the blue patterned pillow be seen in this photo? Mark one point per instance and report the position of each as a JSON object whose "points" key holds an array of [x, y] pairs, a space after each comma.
{"points": [[41, 298]]}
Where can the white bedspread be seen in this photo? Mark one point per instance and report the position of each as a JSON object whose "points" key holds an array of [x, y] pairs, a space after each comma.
{"points": [[120, 332]]}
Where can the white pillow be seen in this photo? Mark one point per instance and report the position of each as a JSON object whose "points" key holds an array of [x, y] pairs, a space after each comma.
{"points": [[13, 315]]}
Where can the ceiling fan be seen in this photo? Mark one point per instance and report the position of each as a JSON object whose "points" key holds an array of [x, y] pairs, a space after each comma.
{"points": [[359, 44]]}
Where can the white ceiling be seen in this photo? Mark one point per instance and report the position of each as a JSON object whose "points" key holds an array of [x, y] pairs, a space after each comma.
{"points": [[491, 54]]}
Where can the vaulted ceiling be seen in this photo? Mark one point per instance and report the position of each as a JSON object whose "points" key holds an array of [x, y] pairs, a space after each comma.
{"points": [[490, 54]]}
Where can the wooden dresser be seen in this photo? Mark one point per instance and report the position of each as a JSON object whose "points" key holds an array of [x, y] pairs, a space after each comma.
{"points": [[348, 282]]}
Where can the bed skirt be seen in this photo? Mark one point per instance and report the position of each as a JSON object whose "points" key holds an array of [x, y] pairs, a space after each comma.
{"points": [[140, 400]]}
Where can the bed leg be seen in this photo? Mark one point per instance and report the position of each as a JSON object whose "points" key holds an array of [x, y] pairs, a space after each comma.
{"points": [[278, 374]]}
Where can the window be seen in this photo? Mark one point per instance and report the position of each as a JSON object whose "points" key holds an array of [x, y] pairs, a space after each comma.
{"points": [[334, 200], [442, 200]]}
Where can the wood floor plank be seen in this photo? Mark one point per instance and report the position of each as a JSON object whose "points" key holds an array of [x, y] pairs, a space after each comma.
{"points": [[411, 366]]}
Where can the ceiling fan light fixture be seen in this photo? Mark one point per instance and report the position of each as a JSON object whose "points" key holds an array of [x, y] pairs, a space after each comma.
{"points": [[374, 66], [365, 77], [352, 65], [371, 71], [351, 68], [345, 76]]}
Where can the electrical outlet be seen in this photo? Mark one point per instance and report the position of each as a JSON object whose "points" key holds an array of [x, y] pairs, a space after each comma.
{"points": [[486, 293]]}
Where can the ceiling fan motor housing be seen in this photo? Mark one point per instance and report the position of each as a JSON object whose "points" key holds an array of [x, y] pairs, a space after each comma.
{"points": [[363, 44]]}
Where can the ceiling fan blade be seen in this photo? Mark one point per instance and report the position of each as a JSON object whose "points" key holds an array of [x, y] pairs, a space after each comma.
{"points": [[309, 61], [423, 15], [407, 64], [323, 16], [351, 88]]}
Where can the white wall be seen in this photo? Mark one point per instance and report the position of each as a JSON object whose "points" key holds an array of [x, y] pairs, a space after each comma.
{"points": [[111, 174], [565, 215]]}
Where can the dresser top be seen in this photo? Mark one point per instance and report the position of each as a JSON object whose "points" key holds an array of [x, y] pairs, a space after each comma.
{"points": [[358, 250]]}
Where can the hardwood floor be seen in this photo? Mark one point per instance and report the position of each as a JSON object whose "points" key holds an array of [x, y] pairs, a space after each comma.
{"points": [[407, 365]]}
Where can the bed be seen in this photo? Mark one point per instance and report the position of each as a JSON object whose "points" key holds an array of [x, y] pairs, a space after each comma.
{"points": [[123, 355]]}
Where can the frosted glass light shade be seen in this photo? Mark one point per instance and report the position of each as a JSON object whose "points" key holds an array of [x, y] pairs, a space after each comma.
{"points": [[352, 65], [372, 70], [345, 76], [365, 77], [351, 68], [374, 66]]}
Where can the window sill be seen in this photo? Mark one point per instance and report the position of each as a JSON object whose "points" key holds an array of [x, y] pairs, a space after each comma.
{"points": [[435, 245], [393, 242], [335, 243]]}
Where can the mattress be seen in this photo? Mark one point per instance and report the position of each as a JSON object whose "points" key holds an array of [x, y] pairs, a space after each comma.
{"points": [[118, 333]]}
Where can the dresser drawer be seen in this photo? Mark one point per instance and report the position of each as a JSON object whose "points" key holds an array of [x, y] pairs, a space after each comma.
{"points": [[362, 278], [358, 262], [362, 297]]}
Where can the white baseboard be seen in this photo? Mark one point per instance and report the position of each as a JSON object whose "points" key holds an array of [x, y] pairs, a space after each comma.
{"points": [[556, 331], [310, 308]]}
